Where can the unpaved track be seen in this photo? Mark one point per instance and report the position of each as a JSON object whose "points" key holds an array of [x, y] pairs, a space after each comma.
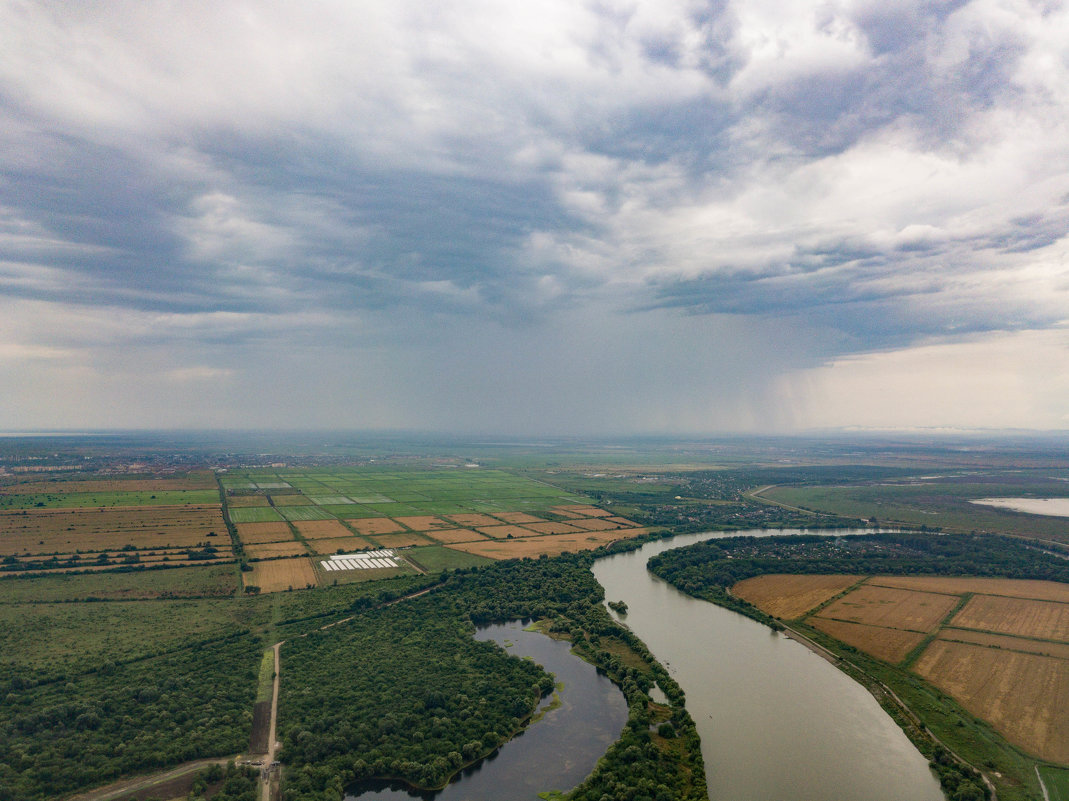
{"points": [[123, 788]]}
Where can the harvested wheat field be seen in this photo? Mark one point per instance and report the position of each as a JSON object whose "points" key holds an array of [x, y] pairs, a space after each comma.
{"points": [[455, 535], [553, 528], [402, 540], [890, 645], [376, 525], [790, 597], [622, 521], [473, 520], [586, 511], [1056, 649], [90, 529], [282, 574], [319, 529], [1025, 618], [270, 550], [551, 546], [1025, 696], [518, 518], [504, 532], [894, 608], [595, 524], [344, 544], [424, 522], [1014, 588], [263, 532]]}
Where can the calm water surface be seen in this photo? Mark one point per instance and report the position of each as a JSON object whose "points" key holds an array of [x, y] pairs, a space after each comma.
{"points": [[557, 752], [1055, 507], [777, 722]]}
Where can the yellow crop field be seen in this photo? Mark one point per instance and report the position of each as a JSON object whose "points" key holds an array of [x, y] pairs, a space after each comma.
{"points": [[890, 607], [1014, 588], [401, 540], [551, 546], [455, 535], [263, 532], [376, 525], [504, 532], [331, 545], [269, 550], [788, 596], [424, 522], [1025, 696], [1056, 649], [318, 529], [890, 645], [282, 574], [1025, 618]]}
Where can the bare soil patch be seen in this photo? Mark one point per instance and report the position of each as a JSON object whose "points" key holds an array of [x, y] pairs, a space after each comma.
{"points": [[1023, 617], [456, 535], [890, 645], [269, 550], [1025, 696], [790, 597], [320, 529], [424, 522], [261, 727], [282, 574], [402, 540], [1055, 649], [376, 525], [263, 532], [1014, 588], [331, 545], [890, 607]]}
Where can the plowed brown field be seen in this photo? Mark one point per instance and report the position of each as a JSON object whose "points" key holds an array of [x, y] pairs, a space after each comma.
{"points": [[1025, 696], [1018, 616], [790, 597], [894, 608]]}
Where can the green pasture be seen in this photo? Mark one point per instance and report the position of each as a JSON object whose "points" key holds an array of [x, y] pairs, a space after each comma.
{"points": [[435, 558], [1056, 781], [254, 514], [78, 500], [177, 582], [305, 513]]}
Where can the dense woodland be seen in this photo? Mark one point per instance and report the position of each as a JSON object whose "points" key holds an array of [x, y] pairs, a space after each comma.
{"points": [[408, 693]]}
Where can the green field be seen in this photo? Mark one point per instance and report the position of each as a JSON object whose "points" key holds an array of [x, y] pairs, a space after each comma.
{"points": [[61, 500], [176, 582], [254, 514], [937, 503], [434, 558], [1056, 781], [305, 513]]}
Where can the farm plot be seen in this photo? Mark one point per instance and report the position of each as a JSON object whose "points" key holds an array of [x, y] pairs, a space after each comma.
{"points": [[1014, 588], [309, 512], [893, 608], [238, 501], [1025, 696], [44, 531], [553, 528], [255, 514], [1025, 618], [518, 518], [551, 546], [330, 500], [403, 540], [504, 532], [790, 597], [317, 529], [424, 522], [376, 525], [291, 500], [80, 500], [1056, 649], [175, 582], [270, 550], [890, 645], [263, 532], [595, 524], [192, 481], [474, 520], [331, 545], [282, 574], [455, 535]]}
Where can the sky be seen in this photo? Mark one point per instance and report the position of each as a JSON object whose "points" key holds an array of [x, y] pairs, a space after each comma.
{"points": [[554, 217]]}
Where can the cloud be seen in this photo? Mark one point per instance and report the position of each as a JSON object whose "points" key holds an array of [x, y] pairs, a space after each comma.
{"points": [[250, 179]]}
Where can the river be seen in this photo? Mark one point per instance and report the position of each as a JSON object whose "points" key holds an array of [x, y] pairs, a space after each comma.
{"points": [[777, 722]]}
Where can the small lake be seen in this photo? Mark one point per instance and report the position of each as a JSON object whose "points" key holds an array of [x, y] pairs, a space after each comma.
{"points": [[1054, 507], [556, 753], [777, 722]]}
